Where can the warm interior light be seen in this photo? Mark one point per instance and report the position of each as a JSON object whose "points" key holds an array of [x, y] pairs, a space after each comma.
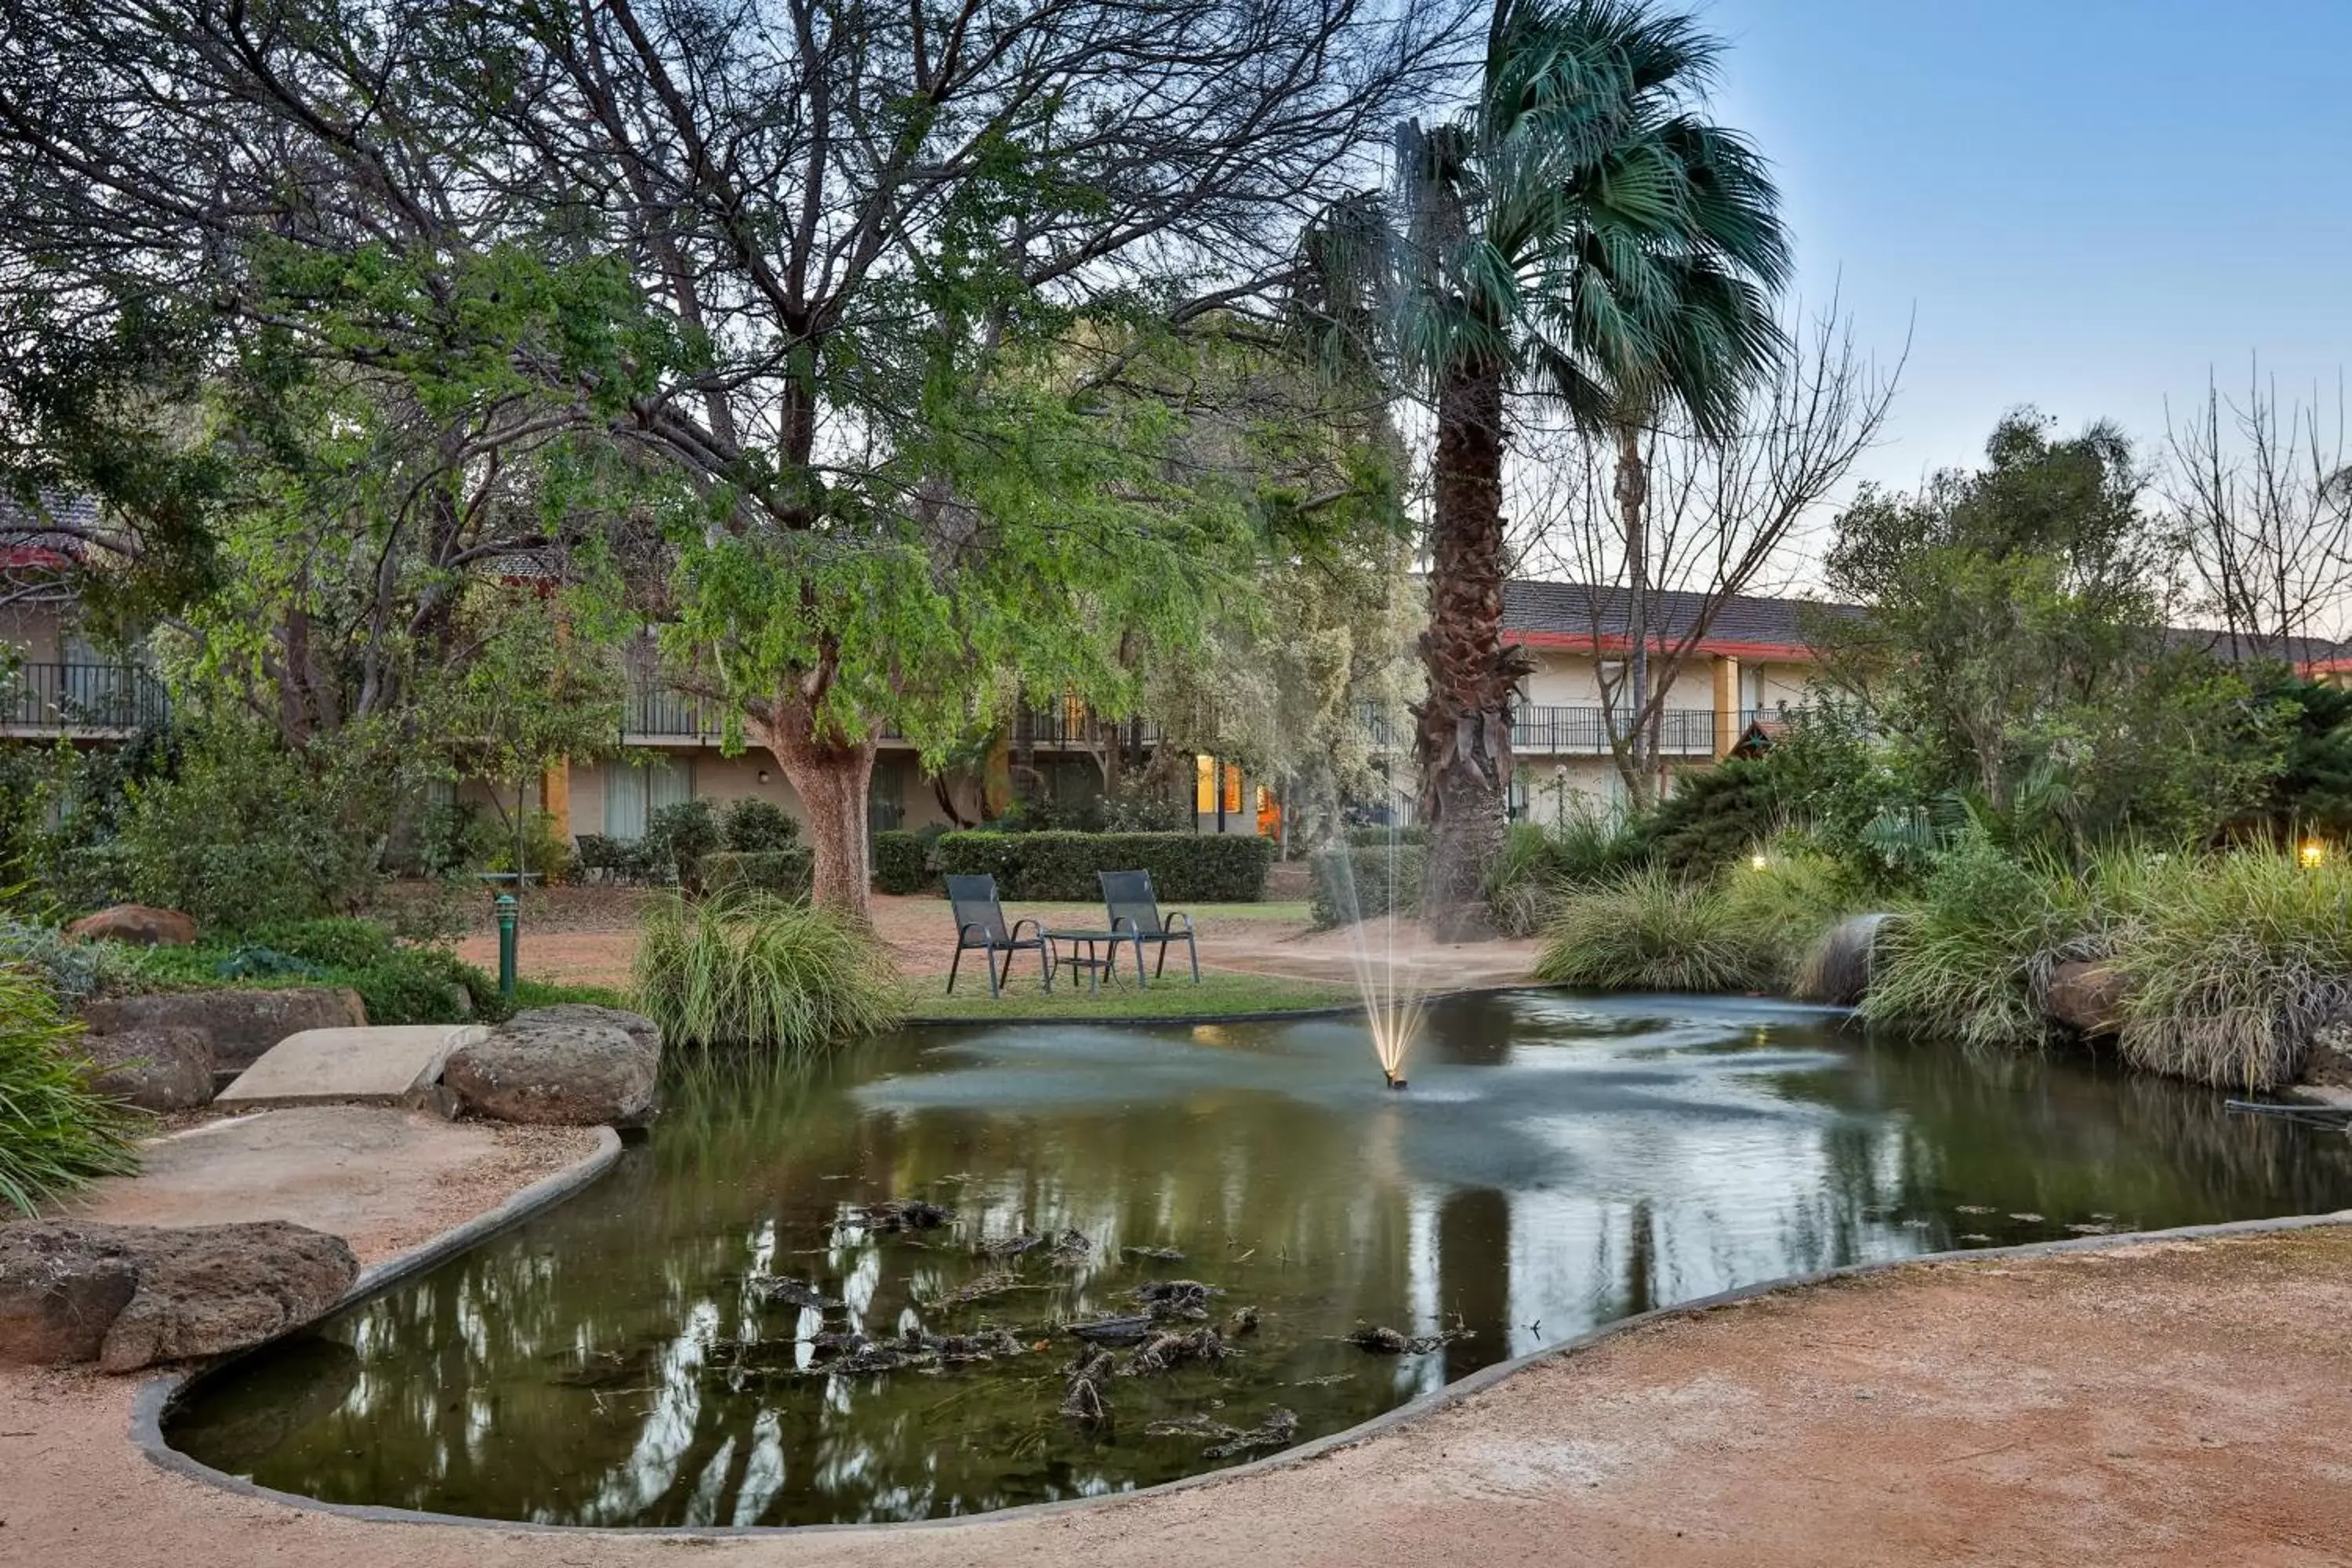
{"points": [[2313, 852]]}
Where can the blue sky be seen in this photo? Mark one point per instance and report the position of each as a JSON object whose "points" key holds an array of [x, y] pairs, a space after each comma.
{"points": [[2083, 204]]}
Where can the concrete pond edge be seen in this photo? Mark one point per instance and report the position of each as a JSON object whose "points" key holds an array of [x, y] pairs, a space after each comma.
{"points": [[155, 1399]]}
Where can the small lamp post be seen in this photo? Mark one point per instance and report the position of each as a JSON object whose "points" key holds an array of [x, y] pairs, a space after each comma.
{"points": [[508, 911]]}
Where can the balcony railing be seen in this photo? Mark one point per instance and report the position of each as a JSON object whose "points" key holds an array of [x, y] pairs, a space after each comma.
{"points": [[654, 711], [80, 699]]}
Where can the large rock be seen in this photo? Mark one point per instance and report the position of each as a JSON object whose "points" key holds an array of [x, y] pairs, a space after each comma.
{"points": [[241, 1023], [128, 1296], [2085, 996], [574, 1066], [141, 923], [162, 1068]]}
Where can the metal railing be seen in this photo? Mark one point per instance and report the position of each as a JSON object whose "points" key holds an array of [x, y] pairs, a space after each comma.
{"points": [[67, 699], [653, 711]]}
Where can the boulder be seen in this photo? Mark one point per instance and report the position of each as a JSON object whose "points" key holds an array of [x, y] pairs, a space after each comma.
{"points": [[142, 924], [240, 1024], [128, 1296], [2086, 996], [164, 1069], [58, 1295], [574, 1065]]}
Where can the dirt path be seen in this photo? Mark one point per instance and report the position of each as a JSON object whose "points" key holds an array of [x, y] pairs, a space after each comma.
{"points": [[594, 944], [2175, 1402]]}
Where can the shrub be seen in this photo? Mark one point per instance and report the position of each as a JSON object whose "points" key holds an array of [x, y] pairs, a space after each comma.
{"points": [[1651, 931], [70, 971], [1185, 867], [1542, 861], [1382, 838], [679, 835], [55, 1132], [901, 862], [787, 873], [753, 827], [757, 970], [544, 850], [624, 861], [1351, 885]]}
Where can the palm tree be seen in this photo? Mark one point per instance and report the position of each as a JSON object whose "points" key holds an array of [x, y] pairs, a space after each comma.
{"points": [[1581, 234]]}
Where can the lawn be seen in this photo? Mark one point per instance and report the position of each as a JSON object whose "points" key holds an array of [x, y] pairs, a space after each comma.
{"points": [[1218, 994]]}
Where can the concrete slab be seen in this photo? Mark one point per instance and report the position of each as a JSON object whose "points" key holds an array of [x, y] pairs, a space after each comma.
{"points": [[381, 1066]]}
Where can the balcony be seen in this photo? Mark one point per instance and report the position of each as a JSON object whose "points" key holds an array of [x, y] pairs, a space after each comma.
{"points": [[654, 714], [79, 700]]}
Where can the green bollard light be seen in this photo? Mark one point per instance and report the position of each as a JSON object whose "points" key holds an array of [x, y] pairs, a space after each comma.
{"points": [[508, 910]]}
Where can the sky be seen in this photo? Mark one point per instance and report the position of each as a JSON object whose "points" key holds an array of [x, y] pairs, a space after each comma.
{"points": [[2092, 207]]}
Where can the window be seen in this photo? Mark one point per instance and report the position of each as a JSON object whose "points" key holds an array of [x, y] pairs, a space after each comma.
{"points": [[632, 795], [1204, 786]]}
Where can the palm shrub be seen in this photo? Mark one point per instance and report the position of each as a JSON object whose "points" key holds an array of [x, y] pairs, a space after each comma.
{"points": [[755, 969], [55, 1132]]}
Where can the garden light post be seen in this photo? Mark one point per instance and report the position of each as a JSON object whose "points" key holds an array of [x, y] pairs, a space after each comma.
{"points": [[508, 910]]}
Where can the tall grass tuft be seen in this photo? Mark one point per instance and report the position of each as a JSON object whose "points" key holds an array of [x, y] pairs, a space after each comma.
{"points": [[55, 1132], [2231, 961], [753, 969], [1649, 931]]}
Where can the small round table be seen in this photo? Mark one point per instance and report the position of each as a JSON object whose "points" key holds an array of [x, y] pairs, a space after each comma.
{"points": [[1062, 949]]}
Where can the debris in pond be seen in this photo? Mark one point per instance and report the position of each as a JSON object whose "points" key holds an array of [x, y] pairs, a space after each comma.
{"points": [[1242, 1322], [603, 1368], [1388, 1342], [1072, 1248], [791, 1292], [829, 1343], [1082, 1381], [897, 1356], [1164, 1350], [1157, 1254], [1917, 1223], [2103, 1216], [954, 1177], [1099, 1330], [2091, 1229], [902, 1214], [1009, 1246], [1279, 1427], [986, 1345], [1177, 1297], [1974, 1235], [1973, 1208], [984, 1288], [2028, 1218]]}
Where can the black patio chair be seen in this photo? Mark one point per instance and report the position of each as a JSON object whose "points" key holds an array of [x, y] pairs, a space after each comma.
{"points": [[1135, 915], [980, 924]]}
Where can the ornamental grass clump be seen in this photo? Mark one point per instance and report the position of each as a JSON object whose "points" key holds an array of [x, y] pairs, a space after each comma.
{"points": [[55, 1132], [1649, 931], [2231, 963], [754, 969]]}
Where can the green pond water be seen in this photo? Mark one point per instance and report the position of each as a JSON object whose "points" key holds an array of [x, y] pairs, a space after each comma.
{"points": [[1556, 1163]]}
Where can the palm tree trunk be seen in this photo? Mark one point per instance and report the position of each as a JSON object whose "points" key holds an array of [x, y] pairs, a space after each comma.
{"points": [[1637, 760], [1464, 737]]}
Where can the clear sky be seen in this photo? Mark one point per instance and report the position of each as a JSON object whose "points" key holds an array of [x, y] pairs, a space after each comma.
{"points": [[2085, 204]]}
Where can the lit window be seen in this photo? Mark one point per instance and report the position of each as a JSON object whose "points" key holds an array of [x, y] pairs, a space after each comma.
{"points": [[1204, 787]]}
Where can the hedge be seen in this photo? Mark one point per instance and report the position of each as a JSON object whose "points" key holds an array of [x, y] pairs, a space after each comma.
{"points": [[902, 862], [1355, 884], [787, 873], [1186, 867]]}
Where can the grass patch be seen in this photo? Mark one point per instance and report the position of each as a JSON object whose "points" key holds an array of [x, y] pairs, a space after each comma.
{"points": [[530, 993], [55, 1132], [1217, 994], [755, 970], [1090, 916]]}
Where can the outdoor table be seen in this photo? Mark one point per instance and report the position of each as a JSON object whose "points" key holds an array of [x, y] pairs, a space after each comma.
{"points": [[1063, 947]]}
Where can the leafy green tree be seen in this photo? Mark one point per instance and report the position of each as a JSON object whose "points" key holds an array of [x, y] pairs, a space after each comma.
{"points": [[2012, 647], [1583, 232], [2312, 789]]}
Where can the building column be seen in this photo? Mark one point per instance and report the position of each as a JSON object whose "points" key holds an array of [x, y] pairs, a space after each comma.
{"points": [[1727, 705], [555, 796]]}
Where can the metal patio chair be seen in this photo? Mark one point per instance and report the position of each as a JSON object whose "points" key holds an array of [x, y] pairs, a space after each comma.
{"points": [[980, 924], [1135, 915]]}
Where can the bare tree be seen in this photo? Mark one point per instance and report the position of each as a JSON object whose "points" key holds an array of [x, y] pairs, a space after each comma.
{"points": [[1721, 518], [2262, 494]]}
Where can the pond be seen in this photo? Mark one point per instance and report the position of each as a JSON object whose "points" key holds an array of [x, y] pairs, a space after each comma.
{"points": [[632, 1358]]}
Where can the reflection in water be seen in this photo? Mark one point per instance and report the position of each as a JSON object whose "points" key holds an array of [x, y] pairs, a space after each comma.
{"points": [[1557, 1164]]}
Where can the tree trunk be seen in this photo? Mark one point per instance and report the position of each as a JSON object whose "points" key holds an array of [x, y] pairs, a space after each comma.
{"points": [[833, 778], [1463, 734], [1638, 754]]}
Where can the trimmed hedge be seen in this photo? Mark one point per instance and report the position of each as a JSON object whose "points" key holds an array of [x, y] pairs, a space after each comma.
{"points": [[902, 862], [787, 873], [1355, 884], [1186, 867]]}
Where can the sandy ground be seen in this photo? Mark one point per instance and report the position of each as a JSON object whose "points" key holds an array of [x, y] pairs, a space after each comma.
{"points": [[592, 940], [2172, 1402]]}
